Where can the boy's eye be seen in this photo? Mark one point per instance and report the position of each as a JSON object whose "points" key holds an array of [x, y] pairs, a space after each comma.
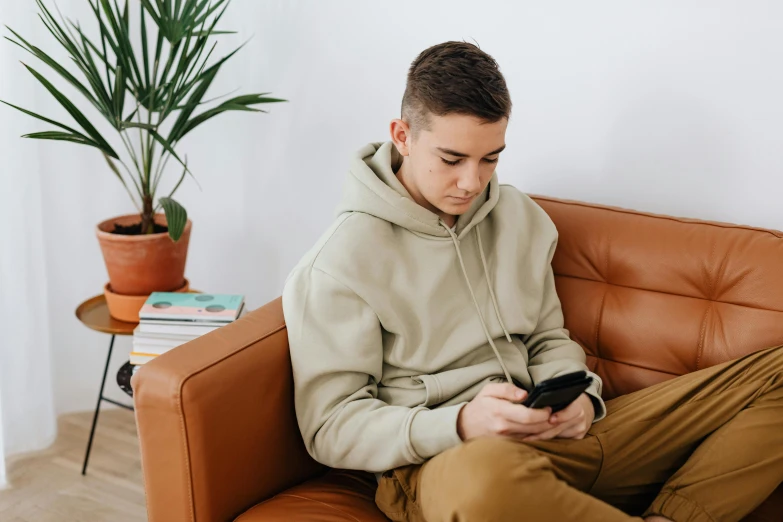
{"points": [[455, 162]]}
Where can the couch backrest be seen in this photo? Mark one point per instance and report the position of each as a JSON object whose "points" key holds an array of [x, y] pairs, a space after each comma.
{"points": [[650, 297]]}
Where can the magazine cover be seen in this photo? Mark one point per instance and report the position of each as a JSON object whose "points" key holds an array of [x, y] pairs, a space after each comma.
{"points": [[175, 306]]}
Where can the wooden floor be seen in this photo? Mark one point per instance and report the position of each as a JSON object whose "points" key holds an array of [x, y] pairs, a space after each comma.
{"points": [[48, 486]]}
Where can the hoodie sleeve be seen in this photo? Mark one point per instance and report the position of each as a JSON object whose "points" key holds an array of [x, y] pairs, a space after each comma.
{"points": [[550, 348], [337, 358]]}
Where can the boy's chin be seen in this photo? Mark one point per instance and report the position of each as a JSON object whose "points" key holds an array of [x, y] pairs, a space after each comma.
{"points": [[454, 208]]}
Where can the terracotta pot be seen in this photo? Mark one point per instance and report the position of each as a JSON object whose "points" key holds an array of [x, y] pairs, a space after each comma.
{"points": [[141, 264], [126, 307]]}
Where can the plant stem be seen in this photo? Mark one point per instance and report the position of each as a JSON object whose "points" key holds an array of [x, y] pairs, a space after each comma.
{"points": [[135, 184], [147, 216], [150, 147], [144, 150], [162, 162], [129, 147]]}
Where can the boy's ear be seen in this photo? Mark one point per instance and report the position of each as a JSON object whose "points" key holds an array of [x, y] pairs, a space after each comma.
{"points": [[401, 136]]}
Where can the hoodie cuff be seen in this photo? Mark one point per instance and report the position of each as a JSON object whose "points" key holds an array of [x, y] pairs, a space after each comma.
{"points": [[594, 391], [434, 431]]}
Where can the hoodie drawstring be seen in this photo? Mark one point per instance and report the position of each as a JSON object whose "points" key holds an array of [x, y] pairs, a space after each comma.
{"points": [[475, 301], [489, 285]]}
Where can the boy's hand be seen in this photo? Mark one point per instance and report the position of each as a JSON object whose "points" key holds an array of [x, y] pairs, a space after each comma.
{"points": [[494, 412], [572, 422]]}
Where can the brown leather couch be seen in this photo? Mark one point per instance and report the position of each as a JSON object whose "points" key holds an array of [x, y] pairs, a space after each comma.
{"points": [[648, 297]]}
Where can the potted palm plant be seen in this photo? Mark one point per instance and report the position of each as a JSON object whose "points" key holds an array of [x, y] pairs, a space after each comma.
{"points": [[150, 86]]}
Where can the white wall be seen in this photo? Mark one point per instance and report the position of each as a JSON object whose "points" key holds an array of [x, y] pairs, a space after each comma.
{"points": [[661, 106]]}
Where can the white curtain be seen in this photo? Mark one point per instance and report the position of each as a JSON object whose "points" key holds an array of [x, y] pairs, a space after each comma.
{"points": [[26, 401], [3, 478]]}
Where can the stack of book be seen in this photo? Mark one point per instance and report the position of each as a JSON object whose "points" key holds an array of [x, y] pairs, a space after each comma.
{"points": [[170, 319]]}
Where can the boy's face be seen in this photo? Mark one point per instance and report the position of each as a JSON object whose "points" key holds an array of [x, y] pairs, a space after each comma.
{"points": [[448, 165]]}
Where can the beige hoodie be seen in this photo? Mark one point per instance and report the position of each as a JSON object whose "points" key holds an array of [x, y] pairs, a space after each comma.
{"points": [[395, 321]]}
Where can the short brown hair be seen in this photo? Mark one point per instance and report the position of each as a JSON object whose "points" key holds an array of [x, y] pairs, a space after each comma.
{"points": [[454, 78]]}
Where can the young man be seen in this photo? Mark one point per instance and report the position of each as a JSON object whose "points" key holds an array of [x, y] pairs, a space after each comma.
{"points": [[427, 311]]}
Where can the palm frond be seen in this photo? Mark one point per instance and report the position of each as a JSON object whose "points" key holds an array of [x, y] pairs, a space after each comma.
{"points": [[165, 74]]}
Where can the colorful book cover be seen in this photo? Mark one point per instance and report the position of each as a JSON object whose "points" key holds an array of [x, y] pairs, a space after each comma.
{"points": [[175, 306], [138, 359]]}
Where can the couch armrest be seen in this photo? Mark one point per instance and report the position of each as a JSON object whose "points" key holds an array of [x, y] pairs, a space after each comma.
{"points": [[216, 422]]}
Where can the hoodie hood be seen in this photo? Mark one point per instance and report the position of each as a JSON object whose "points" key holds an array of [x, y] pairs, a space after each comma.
{"points": [[373, 188]]}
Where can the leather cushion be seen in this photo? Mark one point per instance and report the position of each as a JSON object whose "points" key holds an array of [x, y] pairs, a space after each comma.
{"points": [[337, 496]]}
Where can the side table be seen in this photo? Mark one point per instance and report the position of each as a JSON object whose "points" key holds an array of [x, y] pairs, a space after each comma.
{"points": [[94, 314]]}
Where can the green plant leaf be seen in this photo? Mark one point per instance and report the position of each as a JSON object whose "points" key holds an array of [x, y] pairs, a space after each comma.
{"points": [[119, 95], [184, 85], [177, 18], [42, 118], [176, 217], [57, 30], [130, 116], [202, 35], [144, 45], [84, 56], [89, 68], [212, 9], [100, 100], [125, 16], [212, 69], [177, 77], [239, 103], [173, 53], [75, 113], [83, 59], [181, 178], [209, 33], [151, 10], [100, 54], [125, 54], [254, 99], [193, 102], [139, 125], [72, 135], [166, 145], [204, 79], [38, 53], [105, 37], [125, 28], [122, 180], [63, 136]]}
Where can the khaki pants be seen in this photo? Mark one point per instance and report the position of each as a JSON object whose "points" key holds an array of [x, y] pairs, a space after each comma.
{"points": [[706, 446]]}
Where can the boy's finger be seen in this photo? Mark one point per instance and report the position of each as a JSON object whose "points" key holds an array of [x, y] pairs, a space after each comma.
{"points": [[505, 391]]}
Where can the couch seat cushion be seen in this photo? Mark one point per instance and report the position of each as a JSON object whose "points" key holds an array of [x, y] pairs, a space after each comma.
{"points": [[338, 495]]}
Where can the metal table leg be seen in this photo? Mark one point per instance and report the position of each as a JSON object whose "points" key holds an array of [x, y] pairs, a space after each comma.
{"points": [[97, 407]]}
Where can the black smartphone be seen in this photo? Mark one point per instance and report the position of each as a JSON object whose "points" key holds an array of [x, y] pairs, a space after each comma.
{"points": [[558, 392]]}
